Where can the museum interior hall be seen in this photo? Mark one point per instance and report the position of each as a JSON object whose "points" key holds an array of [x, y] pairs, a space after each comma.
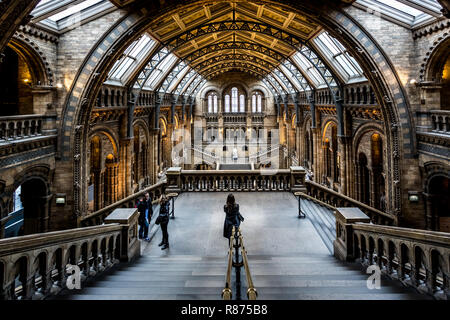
{"points": [[328, 120]]}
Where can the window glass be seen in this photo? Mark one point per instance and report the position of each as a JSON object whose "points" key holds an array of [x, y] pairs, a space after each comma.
{"points": [[234, 100], [259, 103], [242, 103], [227, 103], [254, 103], [215, 103], [210, 102]]}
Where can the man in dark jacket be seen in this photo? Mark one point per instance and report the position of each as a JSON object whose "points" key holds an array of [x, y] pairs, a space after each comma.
{"points": [[148, 202], [143, 223]]}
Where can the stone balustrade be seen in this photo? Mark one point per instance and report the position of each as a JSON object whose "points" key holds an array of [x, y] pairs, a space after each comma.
{"points": [[14, 128], [99, 216], [37, 266], [440, 121], [234, 180], [235, 118], [417, 258], [336, 199]]}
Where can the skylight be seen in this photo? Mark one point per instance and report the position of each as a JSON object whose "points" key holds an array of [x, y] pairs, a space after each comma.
{"points": [[73, 9]]}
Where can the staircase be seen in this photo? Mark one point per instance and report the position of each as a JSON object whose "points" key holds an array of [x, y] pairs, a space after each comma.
{"points": [[289, 258]]}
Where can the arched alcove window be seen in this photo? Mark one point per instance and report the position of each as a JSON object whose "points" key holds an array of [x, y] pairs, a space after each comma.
{"points": [[212, 103], [227, 103], [241, 103], [257, 102], [234, 99], [215, 108]]}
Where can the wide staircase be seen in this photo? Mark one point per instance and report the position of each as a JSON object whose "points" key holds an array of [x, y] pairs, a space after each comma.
{"points": [[288, 257]]}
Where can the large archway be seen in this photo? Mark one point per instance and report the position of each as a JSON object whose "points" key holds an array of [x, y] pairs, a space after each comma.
{"points": [[387, 87]]}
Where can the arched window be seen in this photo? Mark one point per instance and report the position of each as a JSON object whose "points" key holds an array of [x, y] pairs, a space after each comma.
{"points": [[215, 103], [227, 103], [234, 100], [242, 103], [210, 104], [259, 103]]}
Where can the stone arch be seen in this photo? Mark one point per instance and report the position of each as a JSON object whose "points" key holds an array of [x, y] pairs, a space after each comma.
{"points": [[34, 57], [435, 58], [375, 63]]}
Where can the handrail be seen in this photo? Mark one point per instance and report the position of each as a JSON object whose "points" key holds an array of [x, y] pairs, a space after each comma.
{"points": [[226, 292], [236, 234], [251, 291], [324, 204], [354, 203], [123, 201]]}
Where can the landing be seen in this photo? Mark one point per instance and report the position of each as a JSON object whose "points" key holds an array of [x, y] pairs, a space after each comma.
{"points": [[271, 226]]}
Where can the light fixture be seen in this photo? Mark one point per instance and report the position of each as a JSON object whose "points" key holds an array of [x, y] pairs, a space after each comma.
{"points": [[59, 85], [413, 196], [60, 198]]}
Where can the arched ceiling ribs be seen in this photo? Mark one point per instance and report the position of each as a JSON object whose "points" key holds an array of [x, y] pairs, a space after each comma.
{"points": [[261, 28], [243, 65], [239, 45], [185, 81], [269, 86], [173, 76], [219, 72], [234, 57], [276, 84], [197, 88], [194, 85]]}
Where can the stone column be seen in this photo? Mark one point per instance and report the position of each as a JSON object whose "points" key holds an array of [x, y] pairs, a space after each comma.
{"points": [[345, 164], [124, 170]]}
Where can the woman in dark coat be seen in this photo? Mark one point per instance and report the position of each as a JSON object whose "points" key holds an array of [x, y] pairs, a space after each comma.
{"points": [[164, 211], [232, 218]]}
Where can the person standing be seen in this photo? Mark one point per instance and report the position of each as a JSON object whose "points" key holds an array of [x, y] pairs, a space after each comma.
{"points": [[232, 217], [163, 220], [149, 209], [143, 223]]}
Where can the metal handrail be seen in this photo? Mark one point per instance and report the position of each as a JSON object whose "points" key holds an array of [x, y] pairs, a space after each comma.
{"points": [[226, 292], [251, 291]]}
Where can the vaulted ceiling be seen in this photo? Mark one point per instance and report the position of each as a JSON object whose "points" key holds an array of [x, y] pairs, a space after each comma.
{"points": [[227, 32]]}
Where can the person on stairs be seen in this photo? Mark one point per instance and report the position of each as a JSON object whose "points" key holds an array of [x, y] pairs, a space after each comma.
{"points": [[142, 220], [163, 220], [232, 218]]}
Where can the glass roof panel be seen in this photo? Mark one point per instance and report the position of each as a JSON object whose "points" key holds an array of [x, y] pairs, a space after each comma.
{"points": [[73, 9], [338, 56], [131, 58], [402, 7], [162, 69]]}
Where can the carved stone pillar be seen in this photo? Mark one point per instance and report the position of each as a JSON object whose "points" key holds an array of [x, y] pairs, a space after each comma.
{"points": [[345, 165], [124, 168]]}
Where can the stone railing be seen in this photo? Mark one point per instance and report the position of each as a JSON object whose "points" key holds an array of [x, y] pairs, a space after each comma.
{"points": [[235, 118], [417, 258], [336, 199], [99, 216], [440, 121], [211, 117], [14, 128], [264, 153], [206, 156], [236, 180], [37, 266], [258, 118]]}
